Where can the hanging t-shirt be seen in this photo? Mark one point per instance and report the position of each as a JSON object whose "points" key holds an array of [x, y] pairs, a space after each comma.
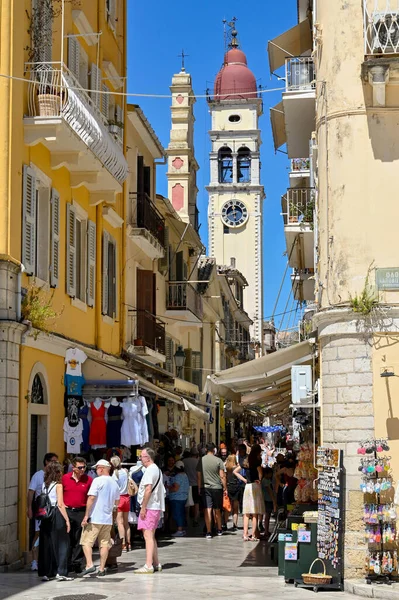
{"points": [[74, 384], [73, 436], [74, 359]]}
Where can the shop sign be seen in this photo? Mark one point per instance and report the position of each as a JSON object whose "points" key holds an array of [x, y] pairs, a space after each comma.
{"points": [[387, 279]]}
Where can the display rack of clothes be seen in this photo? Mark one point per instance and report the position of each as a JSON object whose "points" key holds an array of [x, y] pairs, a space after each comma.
{"points": [[98, 427], [114, 424], [134, 431]]}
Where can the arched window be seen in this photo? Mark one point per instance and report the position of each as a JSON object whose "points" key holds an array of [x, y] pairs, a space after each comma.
{"points": [[225, 159], [243, 165], [37, 395]]}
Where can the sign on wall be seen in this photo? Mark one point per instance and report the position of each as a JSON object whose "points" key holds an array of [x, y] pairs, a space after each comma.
{"points": [[387, 279]]}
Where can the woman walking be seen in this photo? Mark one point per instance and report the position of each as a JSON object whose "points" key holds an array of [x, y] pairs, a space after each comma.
{"points": [[54, 531], [121, 477], [233, 488], [178, 493], [253, 503]]}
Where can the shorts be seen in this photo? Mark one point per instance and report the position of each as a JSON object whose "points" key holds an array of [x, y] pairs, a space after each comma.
{"points": [[151, 520], [235, 492], [92, 532], [212, 498], [124, 503], [196, 494]]}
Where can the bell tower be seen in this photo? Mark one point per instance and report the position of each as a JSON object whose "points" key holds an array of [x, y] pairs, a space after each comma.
{"points": [[235, 192]]}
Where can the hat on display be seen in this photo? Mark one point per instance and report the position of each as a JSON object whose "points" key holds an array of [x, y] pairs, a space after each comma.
{"points": [[102, 463]]}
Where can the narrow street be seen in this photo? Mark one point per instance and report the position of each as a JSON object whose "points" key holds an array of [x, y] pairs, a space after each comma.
{"points": [[193, 569]]}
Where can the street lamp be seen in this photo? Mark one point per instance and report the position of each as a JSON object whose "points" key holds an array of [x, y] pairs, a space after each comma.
{"points": [[180, 359]]}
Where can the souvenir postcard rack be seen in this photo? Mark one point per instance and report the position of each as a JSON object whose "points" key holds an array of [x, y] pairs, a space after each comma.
{"points": [[379, 512]]}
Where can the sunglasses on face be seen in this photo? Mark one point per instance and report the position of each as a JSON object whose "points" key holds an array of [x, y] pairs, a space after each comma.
{"points": [[80, 468]]}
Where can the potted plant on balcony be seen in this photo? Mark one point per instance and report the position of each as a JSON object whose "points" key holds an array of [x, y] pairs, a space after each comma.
{"points": [[115, 127]]}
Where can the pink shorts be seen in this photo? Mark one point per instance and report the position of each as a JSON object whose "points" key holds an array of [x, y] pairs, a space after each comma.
{"points": [[151, 520], [124, 503]]}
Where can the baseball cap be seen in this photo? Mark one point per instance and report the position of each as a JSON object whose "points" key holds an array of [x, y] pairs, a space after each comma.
{"points": [[102, 463], [179, 464]]}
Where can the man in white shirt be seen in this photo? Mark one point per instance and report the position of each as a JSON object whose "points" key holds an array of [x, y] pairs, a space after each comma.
{"points": [[35, 488], [151, 498], [103, 499]]}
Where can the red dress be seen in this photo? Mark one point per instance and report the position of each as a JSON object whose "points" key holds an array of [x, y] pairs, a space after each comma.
{"points": [[98, 428]]}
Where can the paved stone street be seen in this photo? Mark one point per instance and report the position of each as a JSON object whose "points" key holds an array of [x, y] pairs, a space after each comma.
{"points": [[194, 569]]}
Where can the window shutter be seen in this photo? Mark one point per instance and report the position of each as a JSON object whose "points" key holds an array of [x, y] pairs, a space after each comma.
{"points": [[74, 57], [105, 101], [95, 84], [71, 251], [83, 68], [188, 364], [170, 350], [196, 363], [163, 263], [111, 9], [91, 263], [29, 220], [55, 239], [105, 273], [114, 296]]}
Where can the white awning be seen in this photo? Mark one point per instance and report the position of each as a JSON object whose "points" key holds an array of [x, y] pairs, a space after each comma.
{"points": [[277, 120], [294, 42], [194, 409]]}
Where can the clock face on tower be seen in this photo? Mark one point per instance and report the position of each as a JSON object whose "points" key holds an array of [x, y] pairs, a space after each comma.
{"points": [[234, 213]]}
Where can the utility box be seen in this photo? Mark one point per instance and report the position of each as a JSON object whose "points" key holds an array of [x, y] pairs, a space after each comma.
{"points": [[301, 384]]}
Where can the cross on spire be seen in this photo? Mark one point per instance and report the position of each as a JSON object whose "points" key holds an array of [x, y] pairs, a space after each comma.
{"points": [[182, 56]]}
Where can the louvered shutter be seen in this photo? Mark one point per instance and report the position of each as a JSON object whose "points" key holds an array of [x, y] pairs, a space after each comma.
{"points": [[55, 239], [112, 13], [71, 251], [95, 84], [170, 350], [188, 364], [114, 295], [105, 101], [91, 263], [119, 119], [163, 263], [83, 68], [196, 364], [29, 220], [74, 57], [105, 273]]}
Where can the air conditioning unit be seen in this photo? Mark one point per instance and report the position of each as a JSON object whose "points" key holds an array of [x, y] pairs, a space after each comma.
{"points": [[301, 384], [384, 31]]}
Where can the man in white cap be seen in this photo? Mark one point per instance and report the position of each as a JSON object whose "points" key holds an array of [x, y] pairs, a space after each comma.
{"points": [[103, 499]]}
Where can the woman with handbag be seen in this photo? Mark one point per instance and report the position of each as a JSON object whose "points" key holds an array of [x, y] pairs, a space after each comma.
{"points": [[121, 477], [253, 502], [54, 527]]}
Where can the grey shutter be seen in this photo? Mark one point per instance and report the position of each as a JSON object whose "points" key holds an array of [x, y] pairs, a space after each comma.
{"points": [[83, 68], [55, 239], [163, 263], [188, 371], [169, 351], [91, 263], [105, 101], [29, 220], [74, 57], [105, 273], [196, 364], [71, 251], [95, 84]]}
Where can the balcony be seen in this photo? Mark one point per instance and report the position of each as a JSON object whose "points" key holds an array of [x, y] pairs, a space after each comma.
{"points": [[303, 285], [297, 210], [381, 27], [147, 336], [300, 166], [183, 302], [147, 225], [63, 117]]}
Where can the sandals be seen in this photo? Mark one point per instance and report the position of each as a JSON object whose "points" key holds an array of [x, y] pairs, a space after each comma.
{"points": [[246, 538]]}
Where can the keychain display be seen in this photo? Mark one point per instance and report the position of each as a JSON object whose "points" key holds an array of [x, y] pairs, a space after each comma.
{"points": [[371, 466], [375, 534], [329, 505], [370, 486], [382, 563], [373, 445], [379, 513]]}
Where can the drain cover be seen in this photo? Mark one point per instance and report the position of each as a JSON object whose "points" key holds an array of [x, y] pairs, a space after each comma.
{"points": [[81, 597]]}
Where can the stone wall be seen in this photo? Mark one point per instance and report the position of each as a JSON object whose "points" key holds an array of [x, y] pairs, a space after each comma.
{"points": [[348, 418]]}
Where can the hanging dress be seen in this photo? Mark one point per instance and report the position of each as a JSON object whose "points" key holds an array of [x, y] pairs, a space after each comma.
{"points": [[134, 430], [114, 425], [83, 414], [98, 429]]}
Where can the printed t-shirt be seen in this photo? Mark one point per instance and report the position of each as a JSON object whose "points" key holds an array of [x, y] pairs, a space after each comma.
{"points": [[74, 359]]}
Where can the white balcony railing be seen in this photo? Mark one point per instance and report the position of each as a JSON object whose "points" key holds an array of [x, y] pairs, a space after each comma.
{"points": [[298, 206], [299, 73], [381, 27], [54, 92]]}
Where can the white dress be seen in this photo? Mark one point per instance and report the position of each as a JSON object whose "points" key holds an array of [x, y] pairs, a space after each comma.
{"points": [[134, 430]]}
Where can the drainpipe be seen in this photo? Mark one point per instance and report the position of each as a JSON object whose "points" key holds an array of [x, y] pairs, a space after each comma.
{"points": [[19, 293]]}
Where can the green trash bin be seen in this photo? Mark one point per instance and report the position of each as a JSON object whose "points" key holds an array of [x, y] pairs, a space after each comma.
{"points": [[306, 553], [281, 537]]}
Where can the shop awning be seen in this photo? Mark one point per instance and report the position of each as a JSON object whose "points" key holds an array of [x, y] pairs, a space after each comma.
{"points": [[262, 374], [195, 410], [277, 120], [190, 235], [294, 42]]}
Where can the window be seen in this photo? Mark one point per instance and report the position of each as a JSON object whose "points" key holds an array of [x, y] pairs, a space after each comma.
{"points": [[81, 255], [40, 242], [110, 6], [95, 84], [243, 165], [196, 368], [234, 118], [37, 394], [225, 159], [109, 276], [170, 351]]}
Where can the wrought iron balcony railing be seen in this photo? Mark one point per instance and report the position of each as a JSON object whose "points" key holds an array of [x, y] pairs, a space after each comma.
{"points": [[381, 27], [145, 215], [299, 73], [54, 92], [183, 296], [298, 206], [148, 331]]}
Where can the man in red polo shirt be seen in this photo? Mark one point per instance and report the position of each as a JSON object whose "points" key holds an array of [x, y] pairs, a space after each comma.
{"points": [[76, 485]]}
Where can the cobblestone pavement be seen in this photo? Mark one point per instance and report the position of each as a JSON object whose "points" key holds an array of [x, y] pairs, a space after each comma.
{"points": [[194, 569]]}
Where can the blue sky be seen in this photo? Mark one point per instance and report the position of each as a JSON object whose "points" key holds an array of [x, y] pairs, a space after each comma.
{"points": [[157, 32]]}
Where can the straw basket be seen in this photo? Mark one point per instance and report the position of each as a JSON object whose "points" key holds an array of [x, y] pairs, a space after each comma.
{"points": [[48, 105], [316, 578]]}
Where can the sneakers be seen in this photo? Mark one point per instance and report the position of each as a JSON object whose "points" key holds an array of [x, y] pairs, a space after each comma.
{"points": [[88, 571], [33, 566], [234, 529], [63, 578], [208, 536], [224, 527], [100, 573], [179, 534], [158, 568], [45, 578], [219, 532], [144, 571]]}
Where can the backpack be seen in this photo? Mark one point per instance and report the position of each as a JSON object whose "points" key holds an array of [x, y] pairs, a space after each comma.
{"points": [[43, 508]]}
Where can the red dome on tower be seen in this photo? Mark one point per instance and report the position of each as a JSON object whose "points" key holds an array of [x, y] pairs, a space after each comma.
{"points": [[235, 80]]}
